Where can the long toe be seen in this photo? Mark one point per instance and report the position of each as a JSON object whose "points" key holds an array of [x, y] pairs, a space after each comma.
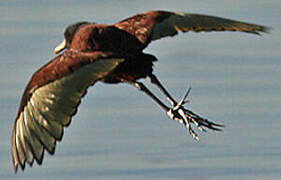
{"points": [[201, 122]]}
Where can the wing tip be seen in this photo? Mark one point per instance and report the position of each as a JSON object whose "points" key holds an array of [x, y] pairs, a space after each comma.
{"points": [[20, 161], [15, 168], [15, 157], [259, 30], [14, 152], [266, 29]]}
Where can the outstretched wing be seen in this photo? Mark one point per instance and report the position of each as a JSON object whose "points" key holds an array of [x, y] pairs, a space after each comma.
{"points": [[197, 22], [154, 25], [50, 107]]}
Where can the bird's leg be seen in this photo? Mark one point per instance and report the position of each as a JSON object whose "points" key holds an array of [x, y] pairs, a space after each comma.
{"points": [[174, 113], [188, 116], [154, 80], [184, 118], [143, 88], [177, 113]]}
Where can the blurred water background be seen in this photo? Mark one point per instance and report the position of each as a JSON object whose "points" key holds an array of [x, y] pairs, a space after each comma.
{"points": [[119, 133]]}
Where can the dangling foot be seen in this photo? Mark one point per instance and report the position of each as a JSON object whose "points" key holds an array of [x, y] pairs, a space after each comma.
{"points": [[186, 117], [178, 112]]}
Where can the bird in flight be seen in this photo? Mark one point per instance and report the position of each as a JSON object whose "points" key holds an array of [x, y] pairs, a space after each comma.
{"points": [[110, 54]]}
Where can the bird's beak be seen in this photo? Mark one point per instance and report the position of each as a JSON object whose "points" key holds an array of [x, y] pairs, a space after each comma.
{"points": [[60, 47]]}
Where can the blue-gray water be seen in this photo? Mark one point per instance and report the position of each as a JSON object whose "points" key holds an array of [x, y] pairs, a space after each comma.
{"points": [[118, 132]]}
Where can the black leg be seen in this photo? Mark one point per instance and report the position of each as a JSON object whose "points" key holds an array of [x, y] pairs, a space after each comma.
{"points": [[189, 115], [178, 112], [154, 80], [175, 113], [143, 88]]}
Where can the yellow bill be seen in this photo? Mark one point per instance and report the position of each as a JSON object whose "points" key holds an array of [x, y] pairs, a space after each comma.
{"points": [[60, 47]]}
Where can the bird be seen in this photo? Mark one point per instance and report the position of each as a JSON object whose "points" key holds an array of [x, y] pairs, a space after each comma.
{"points": [[91, 53]]}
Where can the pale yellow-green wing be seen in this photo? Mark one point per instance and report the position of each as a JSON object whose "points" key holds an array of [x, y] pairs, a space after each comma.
{"points": [[197, 22], [50, 109]]}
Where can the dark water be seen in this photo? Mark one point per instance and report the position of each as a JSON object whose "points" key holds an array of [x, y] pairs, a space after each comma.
{"points": [[118, 132]]}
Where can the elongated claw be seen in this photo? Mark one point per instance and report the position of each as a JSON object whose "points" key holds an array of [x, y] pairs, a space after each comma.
{"points": [[187, 125], [201, 122], [178, 112], [180, 116], [183, 100], [186, 117]]}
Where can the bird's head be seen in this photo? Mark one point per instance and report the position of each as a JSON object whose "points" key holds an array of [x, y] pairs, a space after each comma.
{"points": [[68, 36]]}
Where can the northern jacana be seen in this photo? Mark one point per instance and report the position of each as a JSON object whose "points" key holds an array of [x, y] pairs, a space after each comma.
{"points": [[107, 53]]}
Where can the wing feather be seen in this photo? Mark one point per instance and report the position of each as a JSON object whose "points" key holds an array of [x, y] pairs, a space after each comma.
{"points": [[39, 131], [35, 145], [198, 22], [23, 137], [50, 108]]}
